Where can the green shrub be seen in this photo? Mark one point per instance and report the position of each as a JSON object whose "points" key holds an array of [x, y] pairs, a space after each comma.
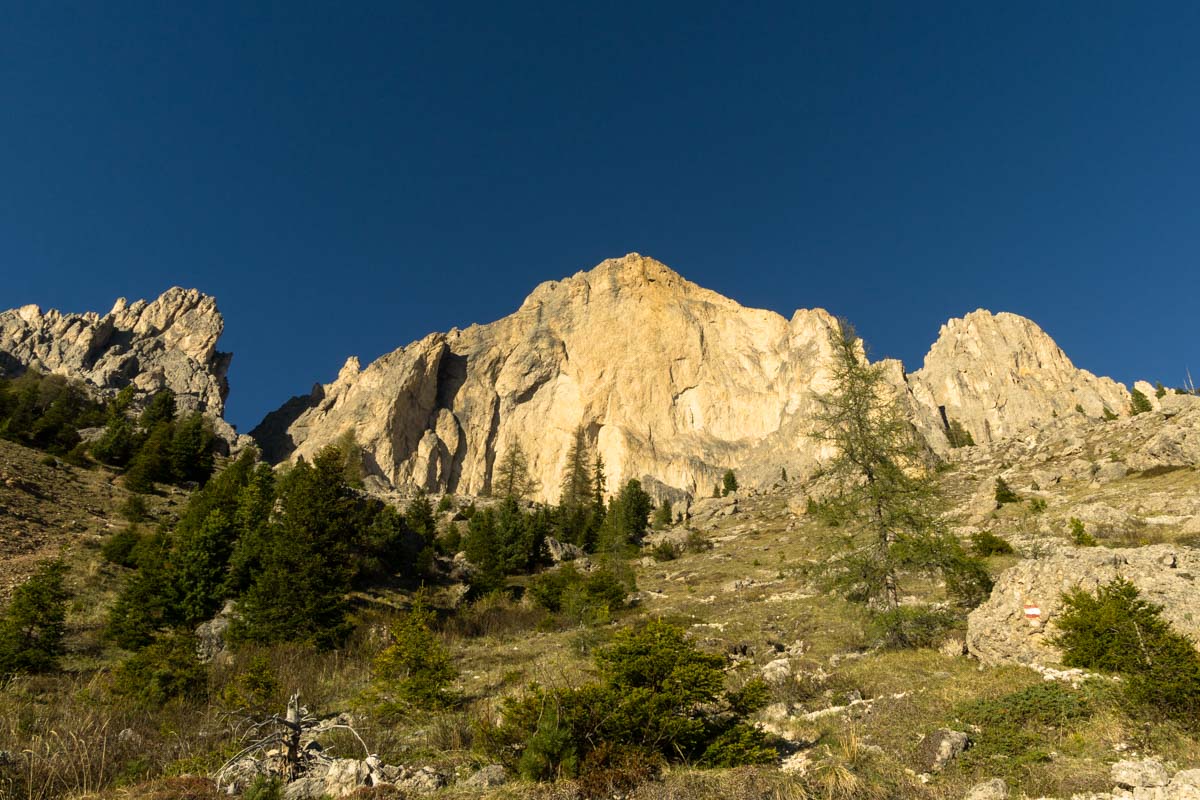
{"points": [[445, 504], [1037, 505], [1079, 534], [582, 597], [986, 543], [166, 669], [264, 788], [1115, 630], [665, 551], [910, 627], [134, 509], [416, 670], [958, 435], [1160, 391], [697, 542], [1109, 416], [121, 547], [34, 623], [1138, 403], [967, 579], [1020, 728], [449, 542], [659, 697], [1005, 494], [254, 689]]}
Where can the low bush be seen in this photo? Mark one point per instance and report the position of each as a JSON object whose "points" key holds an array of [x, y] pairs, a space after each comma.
{"points": [[910, 627], [986, 543], [134, 509], [120, 548], [958, 435], [1079, 534], [254, 689], [1139, 403], [1004, 493], [697, 542], [1021, 728], [665, 551], [1115, 630], [583, 597], [264, 788], [416, 670], [165, 670], [659, 699], [494, 614]]}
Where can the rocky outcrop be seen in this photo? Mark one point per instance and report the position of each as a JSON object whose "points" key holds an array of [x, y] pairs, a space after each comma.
{"points": [[671, 382], [999, 375], [1016, 624], [168, 343]]}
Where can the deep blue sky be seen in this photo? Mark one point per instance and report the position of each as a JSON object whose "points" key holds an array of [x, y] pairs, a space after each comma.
{"points": [[347, 177]]}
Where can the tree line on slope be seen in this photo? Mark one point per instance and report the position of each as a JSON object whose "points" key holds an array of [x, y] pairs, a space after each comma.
{"points": [[158, 445]]}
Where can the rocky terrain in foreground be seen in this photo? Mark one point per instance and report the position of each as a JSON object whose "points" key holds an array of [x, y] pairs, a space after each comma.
{"points": [[741, 580]]}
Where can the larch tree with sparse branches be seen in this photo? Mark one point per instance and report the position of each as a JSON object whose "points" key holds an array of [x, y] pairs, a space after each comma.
{"points": [[887, 499]]}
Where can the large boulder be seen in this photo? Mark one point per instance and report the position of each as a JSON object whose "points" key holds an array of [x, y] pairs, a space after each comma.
{"points": [[1016, 624], [1176, 442]]}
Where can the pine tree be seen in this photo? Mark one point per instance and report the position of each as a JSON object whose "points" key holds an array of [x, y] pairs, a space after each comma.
{"points": [[1138, 403], [299, 594], [418, 517], [512, 475], [33, 625], [575, 496], [627, 519], [662, 515], [888, 497], [729, 482], [191, 449], [416, 670], [160, 409], [199, 567]]}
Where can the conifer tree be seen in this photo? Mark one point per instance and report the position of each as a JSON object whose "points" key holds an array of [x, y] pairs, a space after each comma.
{"points": [[627, 518], [418, 517], [33, 625], [662, 515], [1139, 403], [512, 475], [300, 591], [575, 497], [887, 497], [728, 482]]}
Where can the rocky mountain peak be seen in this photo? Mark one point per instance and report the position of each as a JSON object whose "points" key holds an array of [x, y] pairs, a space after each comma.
{"points": [[672, 382], [170, 342], [1000, 374]]}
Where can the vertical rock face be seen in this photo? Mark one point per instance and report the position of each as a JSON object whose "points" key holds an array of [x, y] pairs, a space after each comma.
{"points": [[168, 343], [999, 374], [670, 380], [673, 384]]}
